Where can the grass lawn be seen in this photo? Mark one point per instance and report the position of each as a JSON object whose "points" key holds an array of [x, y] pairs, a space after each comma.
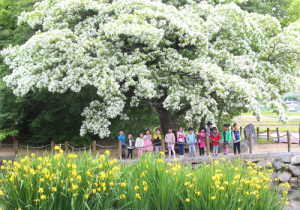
{"points": [[271, 122], [269, 113]]}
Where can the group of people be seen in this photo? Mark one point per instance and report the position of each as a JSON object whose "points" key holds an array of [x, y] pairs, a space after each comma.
{"points": [[146, 143]]}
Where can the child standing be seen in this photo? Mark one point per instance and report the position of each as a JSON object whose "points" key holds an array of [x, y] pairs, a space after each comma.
{"points": [[208, 131], [157, 141], [180, 140], [226, 138], [216, 138], [170, 139], [236, 139], [191, 140], [121, 137], [131, 145], [139, 143], [201, 140], [148, 147]]}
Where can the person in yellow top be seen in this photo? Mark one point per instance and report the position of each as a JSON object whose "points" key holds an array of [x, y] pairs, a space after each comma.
{"points": [[157, 141]]}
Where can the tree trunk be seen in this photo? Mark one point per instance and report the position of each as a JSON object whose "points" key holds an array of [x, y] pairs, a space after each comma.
{"points": [[166, 119]]}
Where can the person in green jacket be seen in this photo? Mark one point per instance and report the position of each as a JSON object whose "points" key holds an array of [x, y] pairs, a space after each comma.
{"points": [[226, 138]]}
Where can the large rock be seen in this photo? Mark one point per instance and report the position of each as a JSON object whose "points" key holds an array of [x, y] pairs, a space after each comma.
{"points": [[284, 176], [274, 175], [295, 159], [294, 170], [293, 180], [277, 165], [285, 159], [247, 131], [264, 164]]}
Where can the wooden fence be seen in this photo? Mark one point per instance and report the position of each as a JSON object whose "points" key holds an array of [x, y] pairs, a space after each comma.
{"points": [[267, 134]]}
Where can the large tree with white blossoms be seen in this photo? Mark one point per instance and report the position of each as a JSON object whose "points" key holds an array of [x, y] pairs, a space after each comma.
{"points": [[199, 59]]}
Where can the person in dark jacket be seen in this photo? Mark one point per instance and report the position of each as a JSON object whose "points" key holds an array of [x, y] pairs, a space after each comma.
{"points": [[236, 139], [157, 141], [130, 143]]}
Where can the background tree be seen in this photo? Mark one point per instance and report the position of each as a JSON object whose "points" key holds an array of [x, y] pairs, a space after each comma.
{"points": [[200, 60], [42, 116], [285, 11]]}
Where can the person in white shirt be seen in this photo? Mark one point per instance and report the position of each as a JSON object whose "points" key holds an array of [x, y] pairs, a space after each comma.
{"points": [[139, 143]]}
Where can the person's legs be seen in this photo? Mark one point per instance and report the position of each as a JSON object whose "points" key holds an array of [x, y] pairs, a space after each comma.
{"points": [[194, 150], [239, 147], [226, 149], [234, 147], [123, 151], [128, 153], [181, 149], [199, 150], [169, 148], [156, 150], [190, 150], [140, 152], [172, 146]]}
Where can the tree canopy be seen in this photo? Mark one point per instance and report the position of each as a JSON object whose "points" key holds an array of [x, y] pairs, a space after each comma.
{"points": [[195, 61]]}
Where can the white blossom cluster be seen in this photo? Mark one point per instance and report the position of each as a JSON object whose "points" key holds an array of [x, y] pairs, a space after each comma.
{"points": [[199, 54]]}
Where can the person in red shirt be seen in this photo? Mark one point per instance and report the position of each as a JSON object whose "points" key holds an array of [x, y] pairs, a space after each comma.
{"points": [[216, 138]]}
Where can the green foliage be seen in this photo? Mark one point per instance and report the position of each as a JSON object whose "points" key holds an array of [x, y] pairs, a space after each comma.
{"points": [[83, 182], [286, 11], [292, 98], [145, 116], [4, 133]]}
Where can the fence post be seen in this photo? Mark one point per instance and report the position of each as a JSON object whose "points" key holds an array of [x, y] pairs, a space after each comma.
{"points": [[163, 146], [257, 132], [66, 147], [268, 134], [289, 141], [0, 144], [241, 133], [16, 147], [120, 149], [207, 145], [52, 146], [251, 143], [94, 148], [278, 136]]}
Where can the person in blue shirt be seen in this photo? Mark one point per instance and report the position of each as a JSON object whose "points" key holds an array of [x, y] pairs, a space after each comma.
{"points": [[236, 139], [121, 137], [191, 140]]}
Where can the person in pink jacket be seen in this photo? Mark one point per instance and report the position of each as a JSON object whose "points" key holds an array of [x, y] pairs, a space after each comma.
{"points": [[170, 139], [201, 140], [180, 141]]}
